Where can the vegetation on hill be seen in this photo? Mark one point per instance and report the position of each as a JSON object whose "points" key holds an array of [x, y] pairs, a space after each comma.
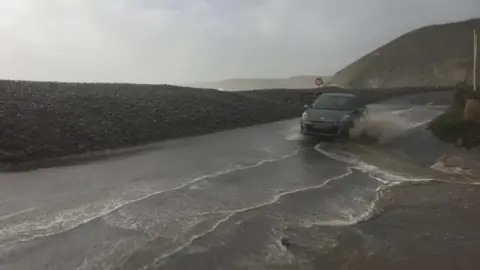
{"points": [[429, 56], [452, 127]]}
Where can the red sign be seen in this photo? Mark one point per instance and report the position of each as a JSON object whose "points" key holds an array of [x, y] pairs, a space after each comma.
{"points": [[318, 81]]}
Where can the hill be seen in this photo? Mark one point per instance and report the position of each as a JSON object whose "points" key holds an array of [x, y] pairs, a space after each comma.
{"points": [[295, 82], [433, 55]]}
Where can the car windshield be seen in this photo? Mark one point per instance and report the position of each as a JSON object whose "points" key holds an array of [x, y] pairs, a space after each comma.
{"points": [[334, 102]]}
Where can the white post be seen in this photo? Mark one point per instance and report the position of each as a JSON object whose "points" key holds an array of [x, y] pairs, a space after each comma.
{"points": [[475, 40]]}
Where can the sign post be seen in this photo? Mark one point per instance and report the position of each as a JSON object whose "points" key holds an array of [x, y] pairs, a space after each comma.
{"points": [[475, 41], [319, 81]]}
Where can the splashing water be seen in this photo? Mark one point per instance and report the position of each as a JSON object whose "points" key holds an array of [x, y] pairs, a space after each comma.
{"points": [[384, 126]]}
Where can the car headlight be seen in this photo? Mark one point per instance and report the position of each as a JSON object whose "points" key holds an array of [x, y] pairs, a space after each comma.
{"points": [[304, 116], [346, 118]]}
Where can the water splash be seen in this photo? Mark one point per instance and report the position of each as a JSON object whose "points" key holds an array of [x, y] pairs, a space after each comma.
{"points": [[384, 125]]}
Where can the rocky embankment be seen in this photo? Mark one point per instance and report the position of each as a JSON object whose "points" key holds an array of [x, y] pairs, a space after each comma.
{"points": [[45, 120]]}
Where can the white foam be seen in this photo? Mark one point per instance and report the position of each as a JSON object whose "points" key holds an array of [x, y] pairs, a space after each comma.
{"points": [[383, 176], [277, 254], [190, 241], [347, 215], [387, 179], [386, 125], [231, 213], [398, 112], [441, 167], [18, 213], [97, 259], [68, 219], [122, 220], [294, 134], [329, 223], [192, 187]]}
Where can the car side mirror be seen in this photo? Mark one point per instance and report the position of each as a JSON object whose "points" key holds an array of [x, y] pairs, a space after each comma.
{"points": [[306, 106]]}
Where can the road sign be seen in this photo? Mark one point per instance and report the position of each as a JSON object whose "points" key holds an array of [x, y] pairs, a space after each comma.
{"points": [[319, 81]]}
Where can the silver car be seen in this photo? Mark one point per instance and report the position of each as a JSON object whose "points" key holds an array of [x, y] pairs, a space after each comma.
{"points": [[332, 115]]}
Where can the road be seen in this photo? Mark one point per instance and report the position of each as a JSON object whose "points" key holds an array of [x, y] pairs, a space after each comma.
{"points": [[221, 201]]}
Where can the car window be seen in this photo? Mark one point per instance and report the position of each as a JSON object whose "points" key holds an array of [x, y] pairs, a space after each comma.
{"points": [[334, 102]]}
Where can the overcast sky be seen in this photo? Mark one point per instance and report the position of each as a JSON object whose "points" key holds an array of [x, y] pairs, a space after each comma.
{"points": [[175, 41]]}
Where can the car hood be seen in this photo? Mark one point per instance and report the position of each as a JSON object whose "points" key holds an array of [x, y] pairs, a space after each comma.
{"points": [[326, 115]]}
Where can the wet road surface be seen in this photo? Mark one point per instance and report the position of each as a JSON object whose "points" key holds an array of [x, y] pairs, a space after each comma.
{"points": [[226, 201]]}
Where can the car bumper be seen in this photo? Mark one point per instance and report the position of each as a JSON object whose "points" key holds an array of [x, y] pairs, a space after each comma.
{"points": [[332, 130]]}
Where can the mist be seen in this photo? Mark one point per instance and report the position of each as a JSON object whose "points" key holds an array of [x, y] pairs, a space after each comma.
{"points": [[175, 42]]}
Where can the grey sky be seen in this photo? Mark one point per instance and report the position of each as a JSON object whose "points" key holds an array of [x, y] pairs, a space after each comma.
{"points": [[175, 41]]}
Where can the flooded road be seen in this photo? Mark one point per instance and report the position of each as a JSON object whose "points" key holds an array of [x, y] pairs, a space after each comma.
{"points": [[262, 197]]}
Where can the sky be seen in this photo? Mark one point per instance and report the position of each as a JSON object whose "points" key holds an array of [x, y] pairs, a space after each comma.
{"points": [[181, 41]]}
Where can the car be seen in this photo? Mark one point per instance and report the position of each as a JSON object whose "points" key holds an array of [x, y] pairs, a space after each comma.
{"points": [[332, 115]]}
